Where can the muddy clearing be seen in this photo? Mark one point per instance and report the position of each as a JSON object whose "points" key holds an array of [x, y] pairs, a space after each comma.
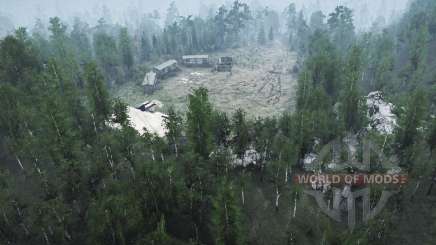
{"points": [[261, 83]]}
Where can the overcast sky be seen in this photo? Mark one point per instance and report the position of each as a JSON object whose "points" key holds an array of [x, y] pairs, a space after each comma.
{"points": [[24, 12]]}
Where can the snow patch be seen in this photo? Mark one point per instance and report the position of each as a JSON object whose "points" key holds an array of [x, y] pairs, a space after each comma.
{"points": [[153, 122], [251, 157], [380, 113], [309, 161]]}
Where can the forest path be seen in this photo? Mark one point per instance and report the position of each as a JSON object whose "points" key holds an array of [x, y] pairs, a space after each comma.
{"points": [[261, 83]]}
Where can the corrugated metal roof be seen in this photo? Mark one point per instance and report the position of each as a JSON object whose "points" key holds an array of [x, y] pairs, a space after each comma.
{"points": [[165, 64], [195, 56]]}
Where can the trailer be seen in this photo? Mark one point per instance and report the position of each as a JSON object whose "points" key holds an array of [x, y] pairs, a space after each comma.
{"points": [[166, 69], [196, 60]]}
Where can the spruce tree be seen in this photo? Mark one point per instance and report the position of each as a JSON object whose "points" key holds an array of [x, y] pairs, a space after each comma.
{"points": [[125, 44], [226, 216], [97, 95], [271, 34], [199, 122], [174, 125], [241, 139]]}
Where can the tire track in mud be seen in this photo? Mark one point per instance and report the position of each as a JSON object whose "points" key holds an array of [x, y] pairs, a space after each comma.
{"points": [[273, 80]]}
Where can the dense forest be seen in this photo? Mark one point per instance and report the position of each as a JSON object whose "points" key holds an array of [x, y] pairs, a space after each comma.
{"points": [[68, 177]]}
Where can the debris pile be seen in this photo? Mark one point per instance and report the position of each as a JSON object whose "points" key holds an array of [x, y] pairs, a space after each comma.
{"points": [[380, 113]]}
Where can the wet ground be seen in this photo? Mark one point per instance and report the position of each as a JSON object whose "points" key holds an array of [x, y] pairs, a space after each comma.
{"points": [[261, 83]]}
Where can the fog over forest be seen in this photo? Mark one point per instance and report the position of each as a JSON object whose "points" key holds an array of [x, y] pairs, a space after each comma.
{"points": [[24, 12], [221, 122]]}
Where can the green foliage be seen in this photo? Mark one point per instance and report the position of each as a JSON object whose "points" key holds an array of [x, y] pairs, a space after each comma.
{"points": [[341, 27], [199, 122], [18, 63], [226, 216], [351, 104], [125, 44], [97, 93], [431, 138], [241, 139], [411, 121], [106, 52], [174, 125], [76, 181], [120, 112], [221, 128]]}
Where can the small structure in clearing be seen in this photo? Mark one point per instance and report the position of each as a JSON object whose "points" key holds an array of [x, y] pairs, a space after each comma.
{"points": [[150, 82], [149, 106], [166, 69], [196, 60], [224, 64]]}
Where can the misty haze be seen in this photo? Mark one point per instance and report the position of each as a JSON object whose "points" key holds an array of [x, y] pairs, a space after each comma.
{"points": [[227, 122]]}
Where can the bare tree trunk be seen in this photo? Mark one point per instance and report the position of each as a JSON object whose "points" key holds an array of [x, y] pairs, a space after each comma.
{"points": [[19, 162], [35, 164], [152, 155], [430, 188], [56, 126], [243, 196], [226, 213], [416, 189], [277, 198], [93, 122], [26, 231], [45, 237], [108, 157], [176, 148], [5, 217], [286, 175], [295, 207]]}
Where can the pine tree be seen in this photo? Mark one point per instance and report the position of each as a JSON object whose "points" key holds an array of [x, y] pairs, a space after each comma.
{"points": [[174, 125], [341, 27], [106, 52], [351, 104], [199, 122], [226, 216], [261, 38], [271, 34], [172, 14], [221, 128], [120, 112], [407, 134], [145, 48], [431, 139], [18, 63], [241, 139], [97, 95], [125, 44]]}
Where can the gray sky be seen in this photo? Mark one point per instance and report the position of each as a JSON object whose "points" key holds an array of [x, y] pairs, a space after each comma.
{"points": [[24, 12]]}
